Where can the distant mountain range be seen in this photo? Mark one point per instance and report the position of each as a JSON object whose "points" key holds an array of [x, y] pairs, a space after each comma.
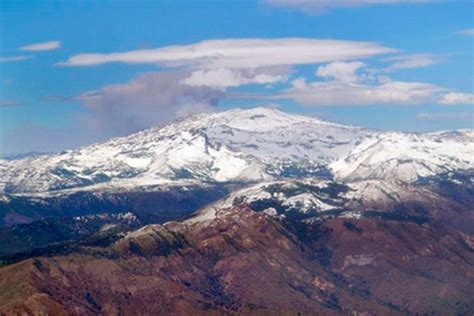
{"points": [[247, 211]]}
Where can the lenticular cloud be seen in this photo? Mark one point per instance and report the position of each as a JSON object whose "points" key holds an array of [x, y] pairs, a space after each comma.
{"points": [[239, 53]]}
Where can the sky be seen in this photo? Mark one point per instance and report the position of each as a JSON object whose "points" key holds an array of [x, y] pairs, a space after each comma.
{"points": [[77, 72]]}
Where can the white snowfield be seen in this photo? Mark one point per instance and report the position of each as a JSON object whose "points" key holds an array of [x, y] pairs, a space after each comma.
{"points": [[248, 145]]}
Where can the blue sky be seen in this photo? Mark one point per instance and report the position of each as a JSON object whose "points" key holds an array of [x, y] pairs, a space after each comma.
{"points": [[387, 64]]}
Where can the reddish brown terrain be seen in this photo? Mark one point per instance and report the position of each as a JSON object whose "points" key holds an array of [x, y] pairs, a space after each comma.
{"points": [[245, 262]]}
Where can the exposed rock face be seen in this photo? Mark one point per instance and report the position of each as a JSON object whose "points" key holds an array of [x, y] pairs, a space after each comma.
{"points": [[238, 261]]}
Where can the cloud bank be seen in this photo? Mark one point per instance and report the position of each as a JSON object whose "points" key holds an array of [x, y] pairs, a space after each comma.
{"points": [[240, 53], [353, 84], [337, 93]]}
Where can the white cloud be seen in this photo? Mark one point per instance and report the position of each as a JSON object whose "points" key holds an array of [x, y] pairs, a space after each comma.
{"points": [[413, 61], [467, 32], [353, 84], [240, 53], [224, 78], [318, 6], [14, 58], [335, 93], [460, 116], [39, 47], [457, 98], [338, 93], [341, 71]]}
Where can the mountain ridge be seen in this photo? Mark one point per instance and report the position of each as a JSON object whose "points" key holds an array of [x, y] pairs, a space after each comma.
{"points": [[240, 145]]}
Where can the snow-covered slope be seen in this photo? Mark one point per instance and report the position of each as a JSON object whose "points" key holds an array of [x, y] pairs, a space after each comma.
{"points": [[247, 145], [406, 156], [306, 195], [312, 199], [303, 195]]}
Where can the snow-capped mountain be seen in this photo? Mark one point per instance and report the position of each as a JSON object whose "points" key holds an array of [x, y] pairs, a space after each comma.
{"points": [[242, 145]]}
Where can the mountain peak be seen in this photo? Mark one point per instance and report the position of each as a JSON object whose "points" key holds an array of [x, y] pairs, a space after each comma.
{"points": [[255, 119], [263, 118]]}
